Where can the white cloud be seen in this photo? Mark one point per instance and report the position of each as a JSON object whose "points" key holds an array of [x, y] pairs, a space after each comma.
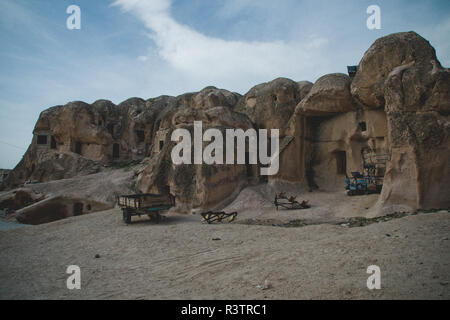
{"points": [[236, 65]]}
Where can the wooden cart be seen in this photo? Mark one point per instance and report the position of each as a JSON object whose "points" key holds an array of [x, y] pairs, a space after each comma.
{"points": [[145, 204], [212, 217], [289, 203]]}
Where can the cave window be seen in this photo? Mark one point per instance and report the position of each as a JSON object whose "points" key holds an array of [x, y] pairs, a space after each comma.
{"points": [[352, 71], [88, 207], [363, 126], [53, 143], [78, 209], [341, 162], [161, 144], [41, 139], [116, 151], [140, 134], [78, 147]]}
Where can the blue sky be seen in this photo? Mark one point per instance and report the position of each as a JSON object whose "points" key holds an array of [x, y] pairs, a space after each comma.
{"points": [[147, 48]]}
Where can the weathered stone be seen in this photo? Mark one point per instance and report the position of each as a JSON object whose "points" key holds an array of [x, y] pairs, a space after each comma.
{"points": [[194, 185], [382, 57], [329, 95], [417, 109], [396, 107], [270, 105]]}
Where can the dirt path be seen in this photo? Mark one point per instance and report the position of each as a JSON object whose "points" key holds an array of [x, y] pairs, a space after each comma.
{"points": [[179, 259]]}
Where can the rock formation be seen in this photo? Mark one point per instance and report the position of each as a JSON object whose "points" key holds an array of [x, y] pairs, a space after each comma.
{"points": [[270, 105], [394, 112], [198, 185], [329, 95], [382, 57]]}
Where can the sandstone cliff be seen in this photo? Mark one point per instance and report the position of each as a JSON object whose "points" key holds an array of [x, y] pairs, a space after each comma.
{"points": [[395, 112]]}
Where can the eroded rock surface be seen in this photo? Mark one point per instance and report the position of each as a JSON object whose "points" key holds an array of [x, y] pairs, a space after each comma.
{"points": [[382, 58], [395, 113], [270, 105], [329, 95]]}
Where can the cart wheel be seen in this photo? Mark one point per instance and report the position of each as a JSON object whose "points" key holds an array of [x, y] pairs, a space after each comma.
{"points": [[232, 217], [155, 217], [126, 216]]}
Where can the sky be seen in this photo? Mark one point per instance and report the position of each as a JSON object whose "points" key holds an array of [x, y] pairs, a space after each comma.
{"points": [[147, 48]]}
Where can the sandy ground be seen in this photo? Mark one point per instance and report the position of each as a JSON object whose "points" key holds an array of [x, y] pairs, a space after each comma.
{"points": [[178, 259], [326, 207]]}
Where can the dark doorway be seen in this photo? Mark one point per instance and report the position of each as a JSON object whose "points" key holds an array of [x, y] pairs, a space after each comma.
{"points": [[363, 126], [140, 134], [341, 162], [41, 139], [53, 143], [116, 152], [161, 144], [78, 147], [78, 209]]}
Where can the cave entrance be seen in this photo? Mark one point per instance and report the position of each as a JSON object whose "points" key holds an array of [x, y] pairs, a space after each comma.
{"points": [[42, 139], [53, 143], [78, 209], [116, 152], [78, 147], [363, 126], [341, 162], [140, 135]]}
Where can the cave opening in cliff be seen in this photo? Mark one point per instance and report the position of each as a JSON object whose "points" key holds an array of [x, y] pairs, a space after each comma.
{"points": [[161, 144], [116, 152], [341, 162], [363, 126], [53, 143], [41, 139], [78, 147], [140, 136], [312, 152], [78, 209]]}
